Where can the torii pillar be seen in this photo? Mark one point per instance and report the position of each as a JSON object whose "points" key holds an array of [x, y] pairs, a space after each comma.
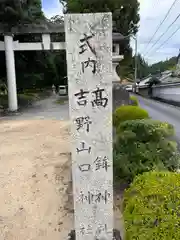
{"points": [[9, 46], [11, 73]]}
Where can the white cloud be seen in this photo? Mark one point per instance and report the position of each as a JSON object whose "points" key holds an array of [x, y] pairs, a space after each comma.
{"points": [[152, 13]]}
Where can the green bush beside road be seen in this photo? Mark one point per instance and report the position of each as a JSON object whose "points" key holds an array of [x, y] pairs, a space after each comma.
{"points": [[152, 207], [4, 101], [129, 112], [145, 156], [147, 129], [134, 101], [26, 98], [142, 146]]}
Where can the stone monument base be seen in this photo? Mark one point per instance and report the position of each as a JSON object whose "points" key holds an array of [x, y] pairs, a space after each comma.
{"points": [[116, 235]]}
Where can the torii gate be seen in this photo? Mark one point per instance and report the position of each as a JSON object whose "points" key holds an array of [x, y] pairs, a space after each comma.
{"points": [[9, 46]]}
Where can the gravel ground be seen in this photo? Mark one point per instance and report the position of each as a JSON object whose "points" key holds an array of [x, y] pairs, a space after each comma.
{"points": [[35, 174], [34, 179]]}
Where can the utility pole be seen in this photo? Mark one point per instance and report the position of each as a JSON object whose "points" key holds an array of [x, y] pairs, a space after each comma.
{"points": [[135, 57], [136, 60]]}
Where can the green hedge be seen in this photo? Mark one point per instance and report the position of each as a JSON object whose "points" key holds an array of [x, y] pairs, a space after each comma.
{"points": [[23, 100], [134, 101], [26, 99], [4, 101], [152, 207], [142, 146], [147, 129], [125, 113]]}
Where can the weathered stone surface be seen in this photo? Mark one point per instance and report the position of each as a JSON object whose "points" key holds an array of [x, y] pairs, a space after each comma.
{"points": [[89, 58], [116, 235]]}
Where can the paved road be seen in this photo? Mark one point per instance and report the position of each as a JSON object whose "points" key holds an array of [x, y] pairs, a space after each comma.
{"points": [[44, 109], [49, 109], [162, 112]]}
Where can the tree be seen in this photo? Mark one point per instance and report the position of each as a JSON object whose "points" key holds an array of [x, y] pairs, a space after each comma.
{"points": [[125, 18], [125, 12], [162, 66], [57, 19], [33, 68], [13, 12], [128, 67]]}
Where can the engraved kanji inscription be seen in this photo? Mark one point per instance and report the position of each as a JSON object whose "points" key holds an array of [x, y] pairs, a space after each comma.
{"points": [[89, 63], [86, 44], [101, 162], [83, 148], [81, 97], [99, 100], [100, 228], [83, 122], [85, 167], [92, 198]]}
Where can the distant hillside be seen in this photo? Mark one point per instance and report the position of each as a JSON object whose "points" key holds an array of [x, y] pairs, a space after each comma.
{"points": [[143, 69], [162, 66]]}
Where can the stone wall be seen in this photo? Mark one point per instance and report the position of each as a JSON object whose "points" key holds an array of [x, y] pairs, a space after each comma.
{"points": [[120, 96], [143, 91], [169, 92]]}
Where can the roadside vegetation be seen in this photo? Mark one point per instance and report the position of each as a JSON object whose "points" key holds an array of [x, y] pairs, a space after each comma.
{"points": [[151, 207], [146, 159], [134, 101], [25, 98]]}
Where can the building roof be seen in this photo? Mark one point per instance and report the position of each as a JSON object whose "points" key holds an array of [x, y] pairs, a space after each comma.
{"points": [[145, 80]]}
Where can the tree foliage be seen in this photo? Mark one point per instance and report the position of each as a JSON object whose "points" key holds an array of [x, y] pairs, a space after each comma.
{"points": [[33, 68], [125, 13], [127, 68], [13, 12], [144, 69], [162, 66], [144, 145], [125, 20]]}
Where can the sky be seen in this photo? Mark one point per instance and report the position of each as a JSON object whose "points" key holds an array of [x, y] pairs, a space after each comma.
{"points": [[51, 7], [152, 13]]}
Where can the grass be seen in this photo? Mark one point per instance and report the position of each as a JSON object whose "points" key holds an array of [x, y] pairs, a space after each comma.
{"points": [[60, 101], [4, 101], [23, 99]]}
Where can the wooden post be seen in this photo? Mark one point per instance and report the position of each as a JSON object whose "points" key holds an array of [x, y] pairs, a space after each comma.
{"points": [[89, 60]]}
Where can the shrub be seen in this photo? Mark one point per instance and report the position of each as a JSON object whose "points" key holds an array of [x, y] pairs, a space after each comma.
{"points": [[4, 101], [142, 146], [25, 99], [147, 129], [134, 101], [125, 113], [152, 207]]}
